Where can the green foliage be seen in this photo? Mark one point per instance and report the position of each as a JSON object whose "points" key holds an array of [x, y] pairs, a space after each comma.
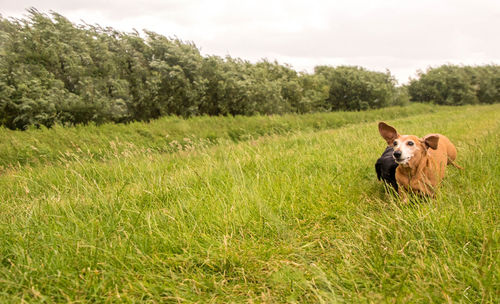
{"points": [[53, 71], [354, 88], [457, 85]]}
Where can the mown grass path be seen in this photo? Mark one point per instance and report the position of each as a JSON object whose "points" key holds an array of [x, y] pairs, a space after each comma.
{"points": [[278, 218]]}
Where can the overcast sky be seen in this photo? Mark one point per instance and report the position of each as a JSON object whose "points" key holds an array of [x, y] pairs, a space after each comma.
{"points": [[398, 35]]}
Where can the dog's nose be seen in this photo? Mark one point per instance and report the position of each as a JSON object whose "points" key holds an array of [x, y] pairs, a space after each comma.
{"points": [[397, 154]]}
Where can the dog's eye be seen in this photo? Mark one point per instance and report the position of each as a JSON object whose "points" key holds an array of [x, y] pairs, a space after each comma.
{"points": [[410, 143], [395, 143]]}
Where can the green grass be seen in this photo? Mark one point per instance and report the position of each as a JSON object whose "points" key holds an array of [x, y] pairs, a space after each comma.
{"points": [[59, 145], [296, 216]]}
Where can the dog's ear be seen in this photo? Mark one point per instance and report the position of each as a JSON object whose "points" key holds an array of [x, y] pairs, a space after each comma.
{"points": [[431, 141], [387, 132]]}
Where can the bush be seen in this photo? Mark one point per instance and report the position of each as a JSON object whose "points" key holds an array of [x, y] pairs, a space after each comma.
{"points": [[55, 72], [355, 88], [457, 85]]}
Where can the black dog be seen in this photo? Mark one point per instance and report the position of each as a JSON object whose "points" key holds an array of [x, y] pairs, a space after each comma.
{"points": [[386, 168]]}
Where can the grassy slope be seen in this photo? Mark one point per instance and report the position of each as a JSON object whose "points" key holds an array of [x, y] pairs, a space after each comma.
{"points": [[60, 145], [279, 218]]}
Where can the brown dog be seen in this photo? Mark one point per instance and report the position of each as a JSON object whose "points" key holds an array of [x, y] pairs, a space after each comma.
{"points": [[422, 161]]}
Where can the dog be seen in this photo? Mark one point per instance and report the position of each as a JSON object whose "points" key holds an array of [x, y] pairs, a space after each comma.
{"points": [[421, 161], [386, 168]]}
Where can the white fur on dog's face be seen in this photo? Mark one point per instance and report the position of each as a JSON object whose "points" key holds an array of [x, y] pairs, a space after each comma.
{"points": [[408, 145]]}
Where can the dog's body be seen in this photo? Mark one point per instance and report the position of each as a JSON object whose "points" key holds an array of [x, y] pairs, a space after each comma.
{"points": [[386, 168], [422, 161]]}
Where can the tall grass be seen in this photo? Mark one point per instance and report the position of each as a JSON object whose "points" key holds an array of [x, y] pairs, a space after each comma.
{"points": [[61, 144], [295, 218]]}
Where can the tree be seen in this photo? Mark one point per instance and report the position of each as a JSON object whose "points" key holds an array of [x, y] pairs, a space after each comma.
{"points": [[457, 85], [355, 88]]}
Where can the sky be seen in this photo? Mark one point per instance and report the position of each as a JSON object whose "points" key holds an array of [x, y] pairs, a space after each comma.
{"points": [[399, 35]]}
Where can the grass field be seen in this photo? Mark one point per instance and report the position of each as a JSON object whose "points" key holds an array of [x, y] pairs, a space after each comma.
{"points": [[267, 214], [170, 134]]}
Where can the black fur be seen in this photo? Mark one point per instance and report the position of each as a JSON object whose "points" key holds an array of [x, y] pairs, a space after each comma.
{"points": [[386, 168]]}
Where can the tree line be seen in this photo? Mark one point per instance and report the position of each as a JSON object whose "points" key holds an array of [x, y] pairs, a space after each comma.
{"points": [[457, 85], [54, 71]]}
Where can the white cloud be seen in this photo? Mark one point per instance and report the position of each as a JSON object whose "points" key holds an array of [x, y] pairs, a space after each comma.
{"points": [[401, 36]]}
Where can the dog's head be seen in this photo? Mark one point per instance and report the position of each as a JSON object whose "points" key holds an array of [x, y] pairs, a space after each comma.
{"points": [[408, 149]]}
